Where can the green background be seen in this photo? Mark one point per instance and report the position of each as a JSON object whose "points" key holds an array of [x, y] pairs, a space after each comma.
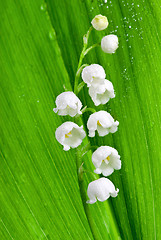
{"points": [[40, 44]]}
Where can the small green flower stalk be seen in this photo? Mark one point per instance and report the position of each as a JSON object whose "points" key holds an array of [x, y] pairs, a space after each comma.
{"points": [[105, 158]]}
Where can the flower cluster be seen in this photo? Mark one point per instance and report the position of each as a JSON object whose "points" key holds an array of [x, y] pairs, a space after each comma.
{"points": [[105, 159], [100, 89]]}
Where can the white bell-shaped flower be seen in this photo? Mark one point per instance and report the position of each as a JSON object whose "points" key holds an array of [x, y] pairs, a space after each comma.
{"points": [[105, 160], [91, 72], [99, 22], [67, 103], [70, 135], [101, 92], [101, 190], [103, 122], [109, 43]]}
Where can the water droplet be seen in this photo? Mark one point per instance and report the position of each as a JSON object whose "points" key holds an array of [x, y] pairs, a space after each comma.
{"points": [[43, 7], [52, 34]]}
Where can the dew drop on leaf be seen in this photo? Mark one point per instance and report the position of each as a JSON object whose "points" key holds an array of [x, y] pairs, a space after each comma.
{"points": [[43, 7], [52, 34]]}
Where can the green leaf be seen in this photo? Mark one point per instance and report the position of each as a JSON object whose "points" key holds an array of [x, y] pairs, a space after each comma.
{"points": [[135, 72], [40, 195]]}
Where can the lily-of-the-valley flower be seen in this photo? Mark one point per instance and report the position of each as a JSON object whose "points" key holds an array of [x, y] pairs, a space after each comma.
{"points": [[70, 135], [99, 22], [91, 72], [106, 159], [101, 91], [109, 43], [67, 103], [103, 122], [101, 190]]}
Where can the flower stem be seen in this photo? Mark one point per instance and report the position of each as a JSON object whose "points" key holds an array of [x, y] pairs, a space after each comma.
{"points": [[93, 174], [88, 110], [80, 86], [90, 48], [82, 55]]}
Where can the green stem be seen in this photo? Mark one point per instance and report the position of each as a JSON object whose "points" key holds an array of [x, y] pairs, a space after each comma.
{"points": [[93, 174], [80, 70], [80, 86], [87, 148], [82, 55], [90, 48], [88, 110]]}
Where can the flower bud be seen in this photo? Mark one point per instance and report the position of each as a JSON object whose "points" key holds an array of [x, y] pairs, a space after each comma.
{"points": [[99, 22], [109, 43]]}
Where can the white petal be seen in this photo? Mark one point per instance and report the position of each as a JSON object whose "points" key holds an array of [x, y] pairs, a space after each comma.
{"points": [[55, 110], [101, 94], [62, 112], [102, 131], [108, 171], [105, 119], [98, 83], [63, 129], [116, 163], [74, 139], [91, 201], [66, 148], [114, 127], [91, 72], [98, 171], [114, 193], [101, 189], [104, 165], [91, 133], [68, 104], [101, 121]]}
